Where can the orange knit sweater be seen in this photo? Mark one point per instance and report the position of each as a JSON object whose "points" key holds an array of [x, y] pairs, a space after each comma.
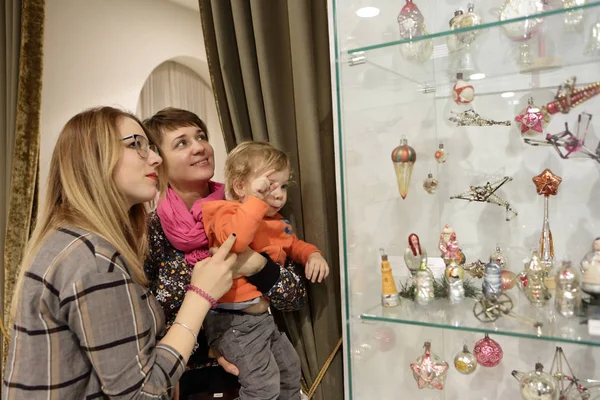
{"points": [[253, 229]]}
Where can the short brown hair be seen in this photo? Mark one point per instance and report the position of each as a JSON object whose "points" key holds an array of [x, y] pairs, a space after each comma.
{"points": [[169, 119], [248, 158]]}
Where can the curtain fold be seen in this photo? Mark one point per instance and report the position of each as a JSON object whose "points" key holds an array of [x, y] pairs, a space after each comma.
{"points": [[24, 170], [10, 28], [269, 64]]}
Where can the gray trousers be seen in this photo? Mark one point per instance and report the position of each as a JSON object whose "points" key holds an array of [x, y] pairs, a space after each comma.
{"points": [[268, 363]]}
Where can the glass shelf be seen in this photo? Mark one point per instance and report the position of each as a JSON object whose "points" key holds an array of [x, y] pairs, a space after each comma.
{"points": [[481, 27], [442, 314], [563, 55]]}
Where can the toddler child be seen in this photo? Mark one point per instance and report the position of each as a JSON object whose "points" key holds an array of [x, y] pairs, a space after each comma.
{"points": [[256, 180]]}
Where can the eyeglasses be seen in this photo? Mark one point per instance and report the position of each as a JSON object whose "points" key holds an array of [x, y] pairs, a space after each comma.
{"points": [[141, 145]]}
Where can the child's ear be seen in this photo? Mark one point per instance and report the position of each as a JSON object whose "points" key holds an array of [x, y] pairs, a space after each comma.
{"points": [[238, 188]]}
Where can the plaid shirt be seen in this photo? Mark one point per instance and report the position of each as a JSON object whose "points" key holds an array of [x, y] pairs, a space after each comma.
{"points": [[86, 329]]}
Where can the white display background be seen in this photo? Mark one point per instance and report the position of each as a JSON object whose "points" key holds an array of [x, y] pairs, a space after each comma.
{"points": [[380, 103]]}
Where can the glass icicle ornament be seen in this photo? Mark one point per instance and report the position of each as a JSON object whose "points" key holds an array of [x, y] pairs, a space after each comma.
{"points": [[546, 185], [404, 158]]}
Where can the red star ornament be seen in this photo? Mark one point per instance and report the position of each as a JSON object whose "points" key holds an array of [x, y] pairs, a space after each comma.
{"points": [[547, 183], [532, 121], [429, 370]]}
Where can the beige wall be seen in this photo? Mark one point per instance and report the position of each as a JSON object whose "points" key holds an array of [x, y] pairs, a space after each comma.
{"points": [[100, 52]]}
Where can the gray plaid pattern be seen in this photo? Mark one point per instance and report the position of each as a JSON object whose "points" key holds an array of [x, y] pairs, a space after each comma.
{"points": [[86, 329]]}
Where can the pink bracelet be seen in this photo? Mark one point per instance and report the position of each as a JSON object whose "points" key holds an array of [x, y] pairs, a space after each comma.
{"points": [[202, 293]]}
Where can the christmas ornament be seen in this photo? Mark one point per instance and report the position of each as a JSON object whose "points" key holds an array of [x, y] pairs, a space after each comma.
{"points": [[525, 29], [574, 19], [590, 269], [414, 254], [361, 352], [487, 194], [424, 293], [452, 40], [568, 97], [471, 118], [408, 289], [389, 293], [569, 142], [465, 362], [454, 275], [536, 385], [468, 20], [572, 382], [385, 338], [546, 184], [449, 247], [498, 256], [404, 158], [462, 92], [532, 283], [492, 279], [440, 154], [430, 184], [568, 296], [532, 121], [509, 279], [592, 49], [419, 51], [488, 352], [429, 370], [475, 269], [410, 21]]}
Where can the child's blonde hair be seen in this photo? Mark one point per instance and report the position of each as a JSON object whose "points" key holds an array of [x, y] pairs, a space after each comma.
{"points": [[249, 158]]}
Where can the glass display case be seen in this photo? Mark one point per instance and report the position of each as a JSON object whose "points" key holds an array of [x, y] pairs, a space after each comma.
{"points": [[469, 192]]}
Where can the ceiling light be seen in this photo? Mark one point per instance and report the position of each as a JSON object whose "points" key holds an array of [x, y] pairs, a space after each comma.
{"points": [[367, 12], [477, 76], [507, 95]]}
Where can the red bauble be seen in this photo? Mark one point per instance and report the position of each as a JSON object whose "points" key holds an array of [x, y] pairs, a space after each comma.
{"points": [[488, 352], [385, 338], [508, 280]]}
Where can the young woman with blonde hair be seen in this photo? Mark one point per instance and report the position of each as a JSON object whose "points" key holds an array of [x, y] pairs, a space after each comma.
{"points": [[85, 323]]}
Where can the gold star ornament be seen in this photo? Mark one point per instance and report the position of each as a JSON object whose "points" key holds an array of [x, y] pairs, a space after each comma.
{"points": [[547, 183]]}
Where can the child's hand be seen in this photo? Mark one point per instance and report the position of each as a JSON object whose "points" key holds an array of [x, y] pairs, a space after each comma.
{"points": [[262, 186], [316, 268]]}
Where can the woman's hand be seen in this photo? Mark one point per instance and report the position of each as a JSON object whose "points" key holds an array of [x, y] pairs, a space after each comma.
{"points": [[214, 275], [248, 263], [316, 268], [226, 365]]}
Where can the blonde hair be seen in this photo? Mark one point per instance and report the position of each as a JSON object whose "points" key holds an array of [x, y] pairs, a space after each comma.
{"points": [[248, 158], [81, 191]]}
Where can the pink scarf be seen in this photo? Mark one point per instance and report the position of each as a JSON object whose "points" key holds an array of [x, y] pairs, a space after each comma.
{"points": [[184, 228]]}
